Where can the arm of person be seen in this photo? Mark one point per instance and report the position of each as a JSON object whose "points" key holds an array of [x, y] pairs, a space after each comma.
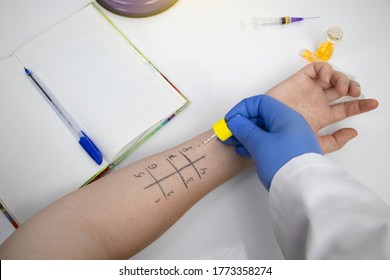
{"points": [[319, 211], [123, 212]]}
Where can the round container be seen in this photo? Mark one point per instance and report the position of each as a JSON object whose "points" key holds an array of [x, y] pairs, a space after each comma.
{"points": [[136, 8], [333, 35]]}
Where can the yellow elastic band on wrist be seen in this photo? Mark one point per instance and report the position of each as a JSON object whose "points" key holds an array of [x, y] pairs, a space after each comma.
{"points": [[222, 130]]}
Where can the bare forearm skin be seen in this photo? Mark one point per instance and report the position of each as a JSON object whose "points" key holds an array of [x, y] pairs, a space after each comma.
{"points": [[120, 214]]}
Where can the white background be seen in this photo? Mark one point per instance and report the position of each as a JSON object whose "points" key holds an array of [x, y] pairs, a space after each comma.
{"points": [[202, 48]]}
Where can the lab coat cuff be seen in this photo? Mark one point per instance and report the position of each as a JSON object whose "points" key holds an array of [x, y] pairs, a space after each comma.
{"points": [[279, 190]]}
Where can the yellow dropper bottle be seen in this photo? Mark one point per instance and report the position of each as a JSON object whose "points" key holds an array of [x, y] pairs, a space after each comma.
{"points": [[333, 35], [221, 130]]}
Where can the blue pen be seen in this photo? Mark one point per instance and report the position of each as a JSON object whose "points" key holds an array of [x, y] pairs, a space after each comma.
{"points": [[84, 140]]}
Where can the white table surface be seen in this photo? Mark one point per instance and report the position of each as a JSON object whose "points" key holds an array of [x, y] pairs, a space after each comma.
{"points": [[201, 46]]}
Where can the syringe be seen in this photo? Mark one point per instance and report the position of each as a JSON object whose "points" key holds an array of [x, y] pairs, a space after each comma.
{"points": [[281, 20], [276, 21]]}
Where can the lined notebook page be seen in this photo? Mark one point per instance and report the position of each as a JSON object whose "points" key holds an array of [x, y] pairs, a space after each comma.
{"points": [[100, 80], [41, 160]]}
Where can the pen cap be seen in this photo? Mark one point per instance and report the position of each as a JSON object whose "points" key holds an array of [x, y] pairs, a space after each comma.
{"points": [[91, 148], [222, 130]]}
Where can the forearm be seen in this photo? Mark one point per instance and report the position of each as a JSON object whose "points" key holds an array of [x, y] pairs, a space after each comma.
{"points": [[123, 212]]}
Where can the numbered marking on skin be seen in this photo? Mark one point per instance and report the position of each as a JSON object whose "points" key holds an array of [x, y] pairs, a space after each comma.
{"points": [[153, 169]]}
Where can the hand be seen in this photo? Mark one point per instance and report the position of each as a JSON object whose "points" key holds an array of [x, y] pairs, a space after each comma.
{"points": [[271, 133], [310, 92]]}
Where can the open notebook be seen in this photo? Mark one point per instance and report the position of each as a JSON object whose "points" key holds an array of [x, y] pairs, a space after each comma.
{"points": [[113, 92]]}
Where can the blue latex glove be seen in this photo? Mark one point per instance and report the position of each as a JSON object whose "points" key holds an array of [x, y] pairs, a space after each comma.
{"points": [[271, 133]]}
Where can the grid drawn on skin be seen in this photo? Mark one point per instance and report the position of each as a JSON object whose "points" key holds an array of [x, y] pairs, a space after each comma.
{"points": [[177, 170]]}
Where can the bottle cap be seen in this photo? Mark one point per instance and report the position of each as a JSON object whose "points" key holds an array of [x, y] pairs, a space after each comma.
{"points": [[222, 130], [335, 33]]}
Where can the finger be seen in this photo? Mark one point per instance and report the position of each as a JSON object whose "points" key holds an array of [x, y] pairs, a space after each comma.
{"points": [[341, 82], [344, 110], [333, 93], [360, 106], [337, 140], [242, 151], [354, 89], [320, 70], [232, 141], [246, 132]]}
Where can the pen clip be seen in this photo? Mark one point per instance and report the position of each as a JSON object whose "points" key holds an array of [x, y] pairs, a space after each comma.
{"points": [[91, 148]]}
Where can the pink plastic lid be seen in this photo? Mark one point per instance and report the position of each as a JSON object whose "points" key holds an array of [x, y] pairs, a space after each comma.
{"points": [[136, 8]]}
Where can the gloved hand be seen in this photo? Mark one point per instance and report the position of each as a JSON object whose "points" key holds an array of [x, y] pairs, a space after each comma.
{"points": [[271, 133]]}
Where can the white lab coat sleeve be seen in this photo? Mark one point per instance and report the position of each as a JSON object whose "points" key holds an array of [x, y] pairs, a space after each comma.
{"points": [[319, 211]]}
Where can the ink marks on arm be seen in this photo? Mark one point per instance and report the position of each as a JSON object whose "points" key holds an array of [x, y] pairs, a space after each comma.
{"points": [[178, 171]]}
